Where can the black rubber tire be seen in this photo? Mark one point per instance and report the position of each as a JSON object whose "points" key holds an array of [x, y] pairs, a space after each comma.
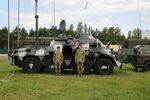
{"points": [[104, 63], [147, 66], [47, 67], [86, 69], [36, 67]]}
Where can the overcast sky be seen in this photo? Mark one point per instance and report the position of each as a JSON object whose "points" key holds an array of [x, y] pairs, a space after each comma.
{"points": [[98, 14]]}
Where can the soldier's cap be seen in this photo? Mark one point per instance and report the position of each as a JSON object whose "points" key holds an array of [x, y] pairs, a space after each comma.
{"points": [[80, 44], [58, 47]]}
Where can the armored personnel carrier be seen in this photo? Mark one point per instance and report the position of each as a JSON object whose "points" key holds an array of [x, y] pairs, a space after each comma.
{"points": [[39, 58]]}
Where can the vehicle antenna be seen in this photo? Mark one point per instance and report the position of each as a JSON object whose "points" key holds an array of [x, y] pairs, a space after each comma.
{"points": [[36, 18]]}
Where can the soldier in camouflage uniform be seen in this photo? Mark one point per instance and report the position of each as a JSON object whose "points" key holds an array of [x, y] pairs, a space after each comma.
{"points": [[79, 59], [58, 60]]}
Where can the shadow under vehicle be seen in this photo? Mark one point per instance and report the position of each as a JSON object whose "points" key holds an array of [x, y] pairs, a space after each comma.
{"points": [[40, 58]]}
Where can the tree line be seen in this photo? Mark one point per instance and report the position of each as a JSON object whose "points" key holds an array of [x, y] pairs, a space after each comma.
{"points": [[111, 34]]}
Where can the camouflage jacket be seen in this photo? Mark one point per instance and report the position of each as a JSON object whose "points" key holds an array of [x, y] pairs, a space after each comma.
{"points": [[58, 57], [80, 55]]}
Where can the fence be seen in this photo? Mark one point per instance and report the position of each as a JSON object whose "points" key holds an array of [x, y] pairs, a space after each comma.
{"points": [[3, 51]]}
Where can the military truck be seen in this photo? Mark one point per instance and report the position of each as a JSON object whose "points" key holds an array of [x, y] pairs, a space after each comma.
{"points": [[127, 48], [39, 58], [136, 52], [141, 57]]}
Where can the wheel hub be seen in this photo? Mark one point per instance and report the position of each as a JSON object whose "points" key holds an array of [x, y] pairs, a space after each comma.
{"points": [[31, 65], [51, 66], [104, 67]]}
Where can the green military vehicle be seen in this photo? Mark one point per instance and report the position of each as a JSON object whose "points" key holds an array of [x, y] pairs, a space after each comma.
{"points": [[136, 52], [141, 57]]}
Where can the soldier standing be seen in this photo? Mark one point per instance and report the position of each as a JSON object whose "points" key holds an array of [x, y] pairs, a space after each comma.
{"points": [[58, 60], [79, 59]]}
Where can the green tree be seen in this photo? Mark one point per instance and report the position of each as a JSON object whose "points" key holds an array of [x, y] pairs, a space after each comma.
{"points": [[70, 32], [79, 29], [23, 33], [31, 33], [71, 27], [135, 34], [112, 35], [3, 37], [43, 32], [129, 35], [13, 35], [90, 30], [85, 29], [53, 32]]}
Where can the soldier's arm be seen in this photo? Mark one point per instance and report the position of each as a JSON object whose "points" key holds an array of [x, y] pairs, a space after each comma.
{"points": [[83, 56], [54, 56], [76, 54], [62, 58]]}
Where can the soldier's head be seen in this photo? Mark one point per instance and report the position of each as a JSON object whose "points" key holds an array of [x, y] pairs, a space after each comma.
{"points": [[80, 45], [58, 48]]}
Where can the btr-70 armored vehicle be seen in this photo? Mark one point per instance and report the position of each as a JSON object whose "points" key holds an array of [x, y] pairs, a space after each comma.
{"points": [[39, 58]]}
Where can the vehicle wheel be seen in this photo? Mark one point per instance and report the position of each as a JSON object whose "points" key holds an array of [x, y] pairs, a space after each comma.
{"points": [[86, 68], [104, 67], [31, 65], [50, 67], [147, 66]]}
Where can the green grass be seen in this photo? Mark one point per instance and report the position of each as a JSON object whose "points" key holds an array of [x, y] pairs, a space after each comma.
{"points": [[122, 85]]}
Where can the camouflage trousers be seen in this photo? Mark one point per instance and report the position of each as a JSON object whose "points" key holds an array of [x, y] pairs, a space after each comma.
{"points": [[58, 68], [80, 68]]}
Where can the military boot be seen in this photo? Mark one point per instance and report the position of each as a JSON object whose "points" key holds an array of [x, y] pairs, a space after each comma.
{"points": [[59, 73]]}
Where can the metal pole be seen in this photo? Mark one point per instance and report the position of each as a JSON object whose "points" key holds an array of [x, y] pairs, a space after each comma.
{"points": [[54, 12], [18, 30], [8, 26], [36, 17], [139, 15]]}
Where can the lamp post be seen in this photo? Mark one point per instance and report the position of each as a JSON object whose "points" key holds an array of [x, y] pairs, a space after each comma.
{"points": [[18, 30]]}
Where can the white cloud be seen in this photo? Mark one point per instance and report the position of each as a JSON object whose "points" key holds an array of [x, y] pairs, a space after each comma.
{"points": [[98, 13]]}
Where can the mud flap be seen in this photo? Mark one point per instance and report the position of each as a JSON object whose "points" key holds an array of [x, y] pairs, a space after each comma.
{"points": [[118, 64]]}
